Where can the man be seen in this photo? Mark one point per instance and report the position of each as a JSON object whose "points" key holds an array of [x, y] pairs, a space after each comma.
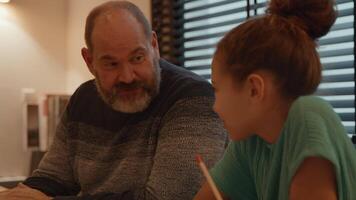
{"points": [[133, 133]]}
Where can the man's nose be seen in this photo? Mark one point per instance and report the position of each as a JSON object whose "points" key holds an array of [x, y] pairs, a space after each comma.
{"points": [[126, 74]]}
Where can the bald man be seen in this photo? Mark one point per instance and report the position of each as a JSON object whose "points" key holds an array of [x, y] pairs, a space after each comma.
{"points": [[133, 131]]}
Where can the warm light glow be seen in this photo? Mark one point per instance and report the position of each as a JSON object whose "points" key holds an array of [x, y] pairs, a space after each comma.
{"points": [[4, 1], [4, 13]]}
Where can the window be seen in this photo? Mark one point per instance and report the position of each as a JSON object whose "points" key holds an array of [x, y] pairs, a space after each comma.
{"points": [[205, 23], [195, 26]]}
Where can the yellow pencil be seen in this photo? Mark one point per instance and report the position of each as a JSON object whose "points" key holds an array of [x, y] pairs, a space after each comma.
{"points": [[208, 177]]}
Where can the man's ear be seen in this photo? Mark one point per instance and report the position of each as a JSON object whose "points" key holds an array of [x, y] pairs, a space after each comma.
{"points": [[154, 43], [88, 58], [256, 86]]}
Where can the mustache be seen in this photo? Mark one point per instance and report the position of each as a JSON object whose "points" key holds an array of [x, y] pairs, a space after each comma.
{"points": [[129, 86]]}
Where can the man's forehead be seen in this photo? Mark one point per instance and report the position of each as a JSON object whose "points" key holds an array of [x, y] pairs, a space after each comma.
{"points": [[118, 16], [121, 25]]}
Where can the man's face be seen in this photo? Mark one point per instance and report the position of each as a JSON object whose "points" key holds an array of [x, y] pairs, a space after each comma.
{"points": [[124, 62]]}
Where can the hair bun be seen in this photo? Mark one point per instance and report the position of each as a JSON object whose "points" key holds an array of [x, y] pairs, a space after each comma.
{"points": [[314, 16]]}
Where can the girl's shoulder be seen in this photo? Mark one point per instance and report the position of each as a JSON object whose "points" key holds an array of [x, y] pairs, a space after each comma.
{"points": [[306, 107]]}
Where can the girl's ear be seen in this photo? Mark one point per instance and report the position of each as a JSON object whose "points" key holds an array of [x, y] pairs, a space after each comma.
{"points": [[256, 85]]}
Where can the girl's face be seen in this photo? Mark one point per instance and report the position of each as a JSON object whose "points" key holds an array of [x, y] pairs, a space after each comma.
{"points": [[233, 103]]}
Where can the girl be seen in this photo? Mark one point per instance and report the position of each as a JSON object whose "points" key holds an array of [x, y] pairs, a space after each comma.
{"points": [[286, 145]]}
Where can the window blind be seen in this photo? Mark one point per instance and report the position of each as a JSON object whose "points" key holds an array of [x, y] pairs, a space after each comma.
{"points": [[166, 22]]}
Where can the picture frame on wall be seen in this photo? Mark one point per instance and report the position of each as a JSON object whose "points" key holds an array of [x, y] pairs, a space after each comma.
{"points": [[31, 118], [41, 116]]}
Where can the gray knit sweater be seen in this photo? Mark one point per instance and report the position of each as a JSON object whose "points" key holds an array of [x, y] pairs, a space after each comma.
{"points": [[99, 153]]}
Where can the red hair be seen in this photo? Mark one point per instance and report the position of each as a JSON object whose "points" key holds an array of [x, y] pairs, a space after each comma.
{"points": [[281, 42]]}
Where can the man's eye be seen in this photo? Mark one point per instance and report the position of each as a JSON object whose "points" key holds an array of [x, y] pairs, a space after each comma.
{"points": [[138, 59], [111, 64]]}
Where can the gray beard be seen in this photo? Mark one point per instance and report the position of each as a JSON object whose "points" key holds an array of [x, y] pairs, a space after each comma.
{"points": [[132, 105]]}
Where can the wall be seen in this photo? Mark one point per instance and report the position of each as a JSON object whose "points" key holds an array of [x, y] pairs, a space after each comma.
{"points": [[32, 55], [78, 10], [40, 49]]}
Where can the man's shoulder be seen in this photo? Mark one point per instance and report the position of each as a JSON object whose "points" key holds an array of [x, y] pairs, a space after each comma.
{"points": [[85, 90], [180, 73], [180, 88], [184, 82], [86, 87], [85, 96]]}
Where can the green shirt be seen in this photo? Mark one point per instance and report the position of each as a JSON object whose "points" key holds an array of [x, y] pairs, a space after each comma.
{"points": [[254, 169]]}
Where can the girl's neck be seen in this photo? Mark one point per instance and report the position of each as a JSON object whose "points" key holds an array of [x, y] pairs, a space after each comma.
{"points": [[273, 121]]}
